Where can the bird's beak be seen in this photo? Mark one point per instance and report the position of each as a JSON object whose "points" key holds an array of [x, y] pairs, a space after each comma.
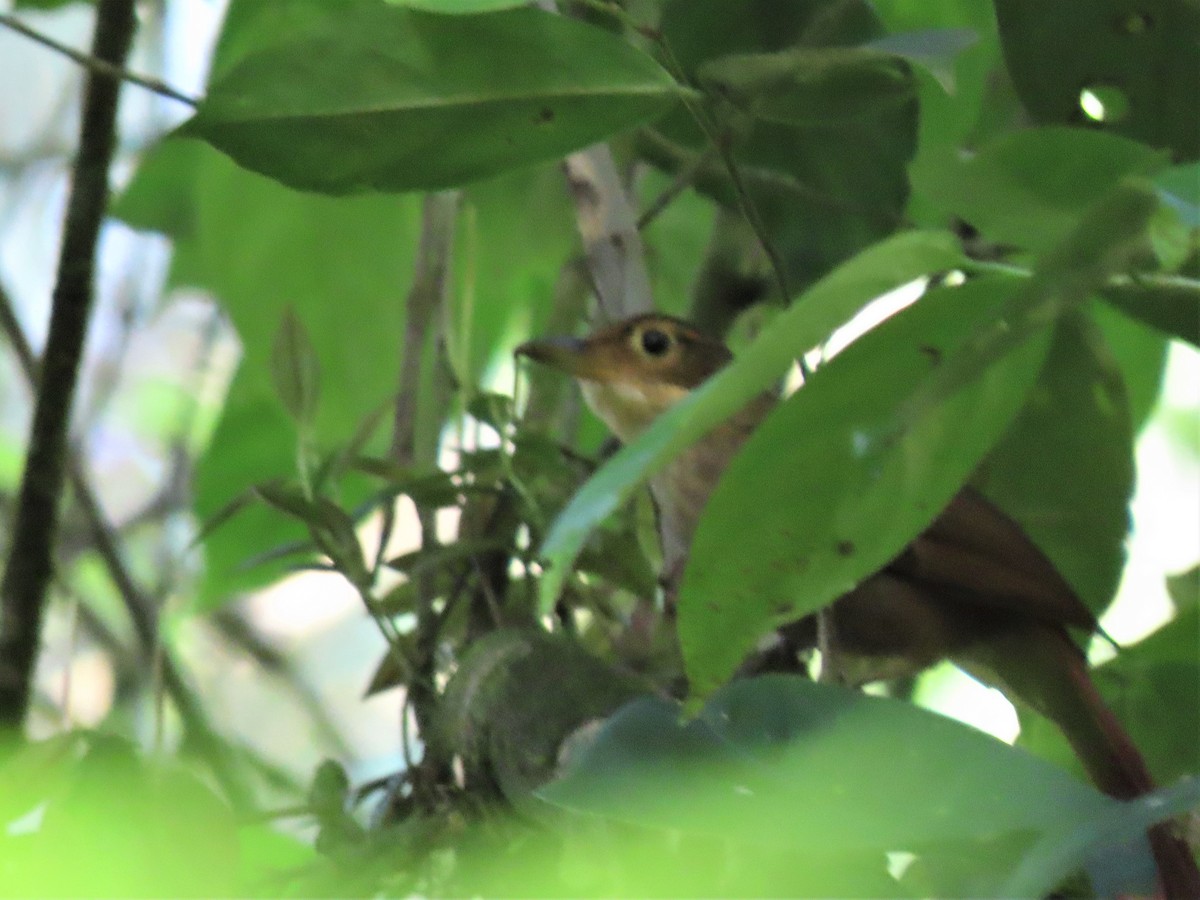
{"points": [[567, 354]]}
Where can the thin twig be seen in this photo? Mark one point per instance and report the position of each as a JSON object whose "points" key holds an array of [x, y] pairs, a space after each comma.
{"points": [[681, 183], [95, 64], [28, 571]]}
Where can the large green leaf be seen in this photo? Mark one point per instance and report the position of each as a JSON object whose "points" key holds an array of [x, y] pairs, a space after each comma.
{"points": [[902, 451], [808, 322], [1029, 188], [341, 265], [396, 99], [783, 764], [1064, 470], [1144, 54], [823, 190], [827, 490]]}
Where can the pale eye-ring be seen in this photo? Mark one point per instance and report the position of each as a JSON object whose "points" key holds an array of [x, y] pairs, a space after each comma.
{"points": [[655, 342]]}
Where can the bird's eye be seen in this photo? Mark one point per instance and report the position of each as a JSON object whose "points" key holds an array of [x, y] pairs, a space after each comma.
{"points": [[655, 342]]}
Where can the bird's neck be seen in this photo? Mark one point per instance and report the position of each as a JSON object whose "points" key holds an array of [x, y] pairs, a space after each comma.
{"points": [[629, 408]]}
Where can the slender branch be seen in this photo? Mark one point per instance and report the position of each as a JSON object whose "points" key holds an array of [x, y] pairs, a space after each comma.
{"points": [[95, 64], [615, 254], [27, 574]]}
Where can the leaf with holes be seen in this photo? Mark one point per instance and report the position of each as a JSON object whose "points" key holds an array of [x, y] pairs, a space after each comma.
{"points": [[1129, 68]]}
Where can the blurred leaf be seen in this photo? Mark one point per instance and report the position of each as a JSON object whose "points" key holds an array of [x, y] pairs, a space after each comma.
{"points": [[161, 197], [259, 249], [461, 551], [1169, 303], [323, 112], [295, 369], [934, 49], [1030, 188], [1049, 862], [458, 7], [1141, 352], [811, 319], [842, 770], [772, 547], [823, 191], [117, 825], [1064, 469], [1184, 589], [1180, 186], [1146, 54], [810, 86]]}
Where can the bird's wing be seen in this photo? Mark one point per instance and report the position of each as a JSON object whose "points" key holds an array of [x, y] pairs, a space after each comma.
{"points": [[975, 548]]}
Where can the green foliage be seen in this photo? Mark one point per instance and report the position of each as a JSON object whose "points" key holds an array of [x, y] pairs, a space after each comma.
{"points": [[322, 112], [818, 153], [775, 548], [1141, 58]]}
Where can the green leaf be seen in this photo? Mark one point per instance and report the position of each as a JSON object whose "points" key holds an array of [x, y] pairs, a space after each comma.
{"points": [[1141, 352], [368, 102], [295, 369], [810, 320], [1029, 189], [823, 192], [1170, 303], [259, 249], [827, 490], [843, 771], [810, 86], [1180, 186], [934, 49], [1064, 469], [458, 7], [1052, 860], [1145, 55]]}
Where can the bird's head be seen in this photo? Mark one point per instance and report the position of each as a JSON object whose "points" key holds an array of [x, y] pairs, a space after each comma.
{"points": [[633, 371]]}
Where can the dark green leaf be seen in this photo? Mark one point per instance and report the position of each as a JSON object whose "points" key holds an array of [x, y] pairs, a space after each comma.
{"points": [[774, 545], [1170, 303], [295, 369], [808, 322], [458, 7], [810, 86], [367, 102], [1146, 54], [823, 192], [1064, 470]]}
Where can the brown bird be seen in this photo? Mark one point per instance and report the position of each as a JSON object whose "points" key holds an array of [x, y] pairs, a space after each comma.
{"points": [[972, 588]]}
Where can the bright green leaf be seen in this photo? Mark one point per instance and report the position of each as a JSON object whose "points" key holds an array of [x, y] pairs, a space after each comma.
{"points": [[827, 491], [393, 99]]}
